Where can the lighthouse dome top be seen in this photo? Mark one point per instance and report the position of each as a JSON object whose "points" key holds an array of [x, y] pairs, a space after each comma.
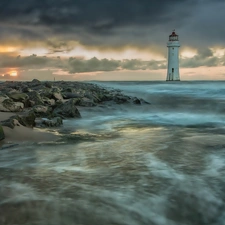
{"points": [[173, 36]]}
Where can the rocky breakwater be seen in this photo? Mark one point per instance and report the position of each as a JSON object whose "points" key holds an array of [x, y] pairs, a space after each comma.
{"points": [[46, 104]]}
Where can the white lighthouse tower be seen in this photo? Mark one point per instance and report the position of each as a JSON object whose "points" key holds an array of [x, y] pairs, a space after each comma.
{"points": [[173, 58]]}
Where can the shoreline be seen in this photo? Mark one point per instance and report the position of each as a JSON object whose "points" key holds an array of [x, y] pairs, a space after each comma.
{"points": [[20, 134], [27, 105]]}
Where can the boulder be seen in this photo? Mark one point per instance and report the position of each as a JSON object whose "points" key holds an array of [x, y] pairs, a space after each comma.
{"points": [[2, 135], [18, 97], [26, 119], [136, 101], [35, 97], [48, 84], [35, 81], [119, 99], [11, 122], [86, 102], [46, 92], [57, 96], [8, 105], [67, 110], [3, 97], [48, 101], [42, 111], [68, 95], [55, 122], [26, 89]]}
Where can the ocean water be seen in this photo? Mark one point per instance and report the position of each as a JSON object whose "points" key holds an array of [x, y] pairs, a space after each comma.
{"points": [[161, 163]]}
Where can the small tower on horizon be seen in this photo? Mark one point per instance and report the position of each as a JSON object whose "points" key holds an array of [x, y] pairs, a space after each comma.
{"points": [[173, 58]]}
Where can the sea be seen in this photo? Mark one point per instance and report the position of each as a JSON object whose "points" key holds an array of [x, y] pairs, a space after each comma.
{"points": [[161, 163]]}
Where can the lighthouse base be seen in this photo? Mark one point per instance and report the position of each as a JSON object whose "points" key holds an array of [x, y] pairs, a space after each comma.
{"points": [[172, 80]]}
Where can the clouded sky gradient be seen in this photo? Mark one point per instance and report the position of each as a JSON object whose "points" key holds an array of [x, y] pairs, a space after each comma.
{"points": [[110, 39]]}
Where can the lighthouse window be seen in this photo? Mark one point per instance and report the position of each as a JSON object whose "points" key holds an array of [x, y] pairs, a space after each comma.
{"points": [[172, 70], [173, 48]]}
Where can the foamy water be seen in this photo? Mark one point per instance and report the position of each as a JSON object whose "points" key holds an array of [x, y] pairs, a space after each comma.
{"points": [[161, 164]]}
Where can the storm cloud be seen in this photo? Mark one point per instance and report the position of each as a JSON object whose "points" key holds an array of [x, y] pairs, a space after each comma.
{"points": [[113, 23], [77, 65]]}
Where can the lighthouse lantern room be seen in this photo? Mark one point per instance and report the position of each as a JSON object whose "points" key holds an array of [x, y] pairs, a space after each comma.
{"points": [[173, 58]]}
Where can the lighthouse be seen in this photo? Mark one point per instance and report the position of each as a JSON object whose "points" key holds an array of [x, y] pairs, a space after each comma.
{"points": [[173, 58]]}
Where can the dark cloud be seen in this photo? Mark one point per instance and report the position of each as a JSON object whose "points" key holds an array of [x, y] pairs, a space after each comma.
{"points": [[204, 57], [109, 22], [77, 65], [97, 15], [80, 65]]}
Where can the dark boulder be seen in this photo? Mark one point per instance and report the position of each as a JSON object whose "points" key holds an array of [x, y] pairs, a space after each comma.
{"points": [[20, 97], [11, 122], [54, 122], [67, 110], [136, 101], [48, 84], [42, 111], [8, 105], [35, 81], [120, 99], [26, 119], [86, 102], [68, 95], [35, 97]]}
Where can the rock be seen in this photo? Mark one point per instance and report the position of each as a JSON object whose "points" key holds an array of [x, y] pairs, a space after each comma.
{"points": [[57, 96], [136, 101], [55, 122], [86, 102], [48, 101], [26, 89], [35, 97], [42, 111], [18, 97], [107, 97], [48, 84], [35, 81], [8, 105], [2, 134], [69, 90], [119, 99], [67, 109], [3, 97], [46, 92], [26, 119], [11, 122], [68, 95]]}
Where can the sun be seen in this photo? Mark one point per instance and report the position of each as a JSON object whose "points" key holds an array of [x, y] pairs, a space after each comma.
{"points": [[13, 73]]}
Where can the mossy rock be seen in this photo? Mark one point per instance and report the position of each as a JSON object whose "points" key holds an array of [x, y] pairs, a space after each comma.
{"points": [[27, 119], [67, 110], [2, 134], [36, 98], [13, 106], [19, 97]]}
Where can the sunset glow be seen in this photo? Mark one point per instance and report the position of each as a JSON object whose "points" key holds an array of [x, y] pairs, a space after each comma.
{"points": [[13, 73]]}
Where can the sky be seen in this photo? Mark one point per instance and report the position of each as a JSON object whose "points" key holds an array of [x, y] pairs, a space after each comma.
{"points": [[110, 39]]}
